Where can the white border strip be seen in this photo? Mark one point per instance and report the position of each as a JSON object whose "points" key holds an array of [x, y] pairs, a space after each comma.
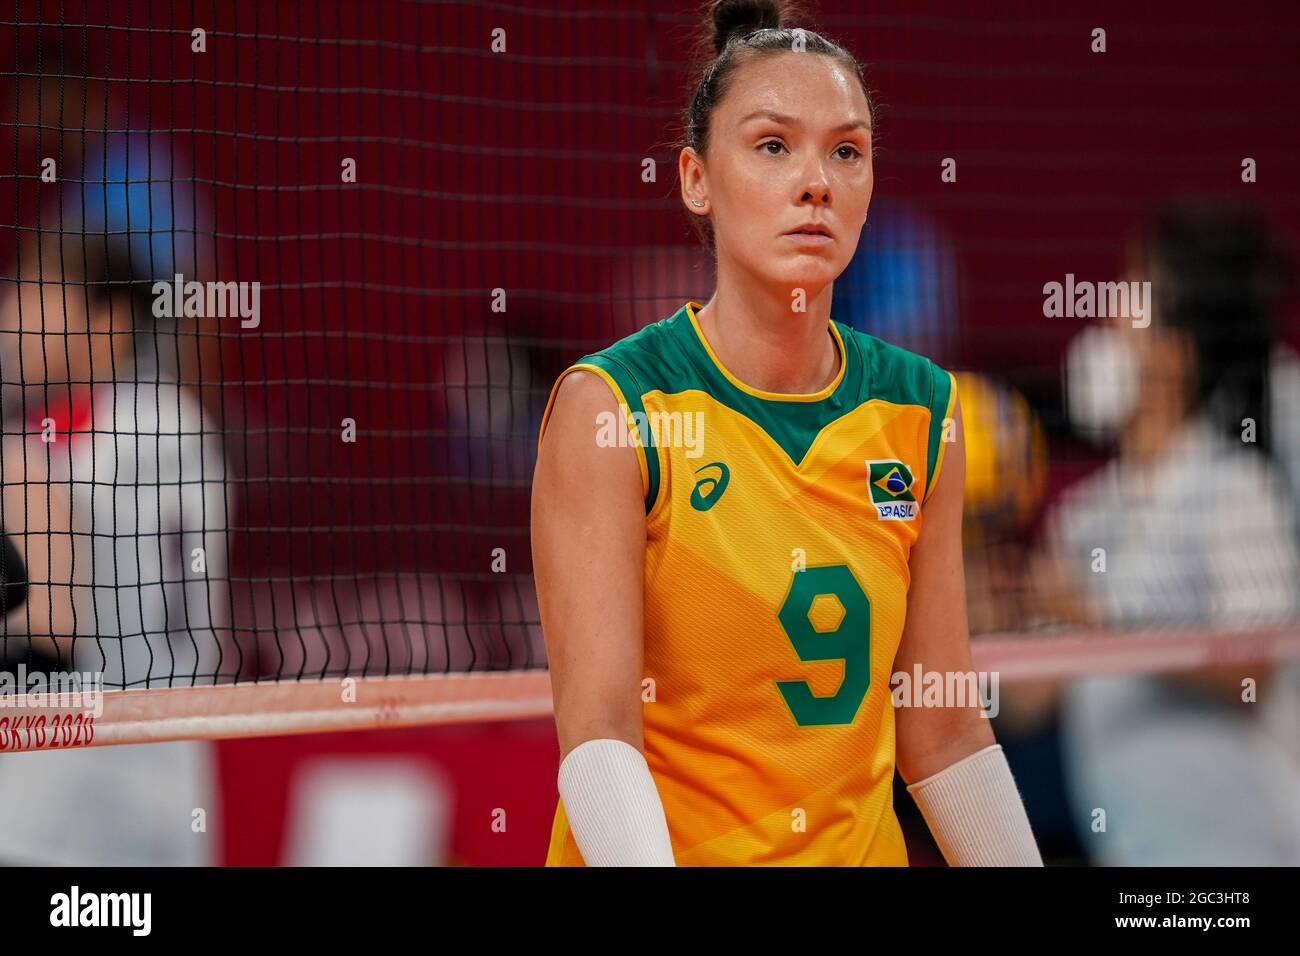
{"points": [[1067, 655], [303, 707]]}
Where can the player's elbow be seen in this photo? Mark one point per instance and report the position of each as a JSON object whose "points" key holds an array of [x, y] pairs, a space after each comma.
{"points": [[598, 727], [596, 708], [929, 739]]}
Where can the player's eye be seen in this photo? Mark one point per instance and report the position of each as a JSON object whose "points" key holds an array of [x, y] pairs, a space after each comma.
{"points": [[772, 142], [852, 152]]}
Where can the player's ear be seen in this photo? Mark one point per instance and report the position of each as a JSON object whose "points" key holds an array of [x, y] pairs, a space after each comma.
{"points": [[694, 181]]}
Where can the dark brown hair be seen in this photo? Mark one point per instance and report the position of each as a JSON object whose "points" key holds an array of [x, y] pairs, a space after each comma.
{"points": [[737, 32], [1219, 275]]}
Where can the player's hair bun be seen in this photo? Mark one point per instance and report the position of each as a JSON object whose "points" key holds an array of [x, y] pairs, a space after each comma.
{"points": [[742, 17]]}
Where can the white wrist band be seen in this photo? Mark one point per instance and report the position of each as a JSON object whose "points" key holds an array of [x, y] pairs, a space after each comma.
{"points": [[613, 806], [975, 812]]}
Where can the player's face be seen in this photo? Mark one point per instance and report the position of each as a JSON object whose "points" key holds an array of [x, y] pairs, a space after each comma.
{"points": [[790, 145]]}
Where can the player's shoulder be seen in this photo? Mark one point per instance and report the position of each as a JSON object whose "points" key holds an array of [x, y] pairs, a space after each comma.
{"points": [[654, 358], [894, 374]]}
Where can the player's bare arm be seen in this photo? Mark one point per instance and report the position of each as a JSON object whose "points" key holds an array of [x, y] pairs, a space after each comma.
{"points": [[936, 634], [588, 533]]}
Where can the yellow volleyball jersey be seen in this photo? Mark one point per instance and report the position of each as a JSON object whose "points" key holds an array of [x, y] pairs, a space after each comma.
{"points": [[778, 530]]}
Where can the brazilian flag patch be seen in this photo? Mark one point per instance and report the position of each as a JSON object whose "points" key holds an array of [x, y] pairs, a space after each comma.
{"points": [[890, 484]]}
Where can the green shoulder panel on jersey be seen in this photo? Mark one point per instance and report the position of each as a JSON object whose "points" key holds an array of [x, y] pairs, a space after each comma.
{"points": [[668, 356], [941, 406], [905, 378], [642, 362]]}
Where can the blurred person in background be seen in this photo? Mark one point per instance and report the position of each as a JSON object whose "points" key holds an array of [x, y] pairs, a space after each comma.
{"points": [[1190, 524], [137, 507]]}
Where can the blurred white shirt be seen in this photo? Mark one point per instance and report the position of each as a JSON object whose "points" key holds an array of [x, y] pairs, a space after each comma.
{"points": [[1204, 537], [146, 490]]}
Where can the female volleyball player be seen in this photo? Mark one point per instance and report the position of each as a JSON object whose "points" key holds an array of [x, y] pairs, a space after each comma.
{"points": [[726, 595]]}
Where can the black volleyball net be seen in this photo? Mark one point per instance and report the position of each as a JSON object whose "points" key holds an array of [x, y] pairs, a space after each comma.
{"points": [[285, 288]]}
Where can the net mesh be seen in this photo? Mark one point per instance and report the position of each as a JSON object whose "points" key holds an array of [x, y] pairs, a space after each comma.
{"points": [[285, 288]]}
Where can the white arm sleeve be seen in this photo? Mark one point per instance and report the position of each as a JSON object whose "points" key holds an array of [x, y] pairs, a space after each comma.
{"points": [[613, 807], [975, 812]]}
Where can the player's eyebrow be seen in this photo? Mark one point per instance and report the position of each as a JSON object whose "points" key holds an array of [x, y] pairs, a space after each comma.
{"points": [[782, 119]]}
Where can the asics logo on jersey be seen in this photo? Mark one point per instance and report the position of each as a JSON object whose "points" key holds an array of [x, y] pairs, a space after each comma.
{"points": [[890, 483], [709, 489]]}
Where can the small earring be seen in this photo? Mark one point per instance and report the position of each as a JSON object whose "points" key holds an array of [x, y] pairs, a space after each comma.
{"points": [[696, 202]]}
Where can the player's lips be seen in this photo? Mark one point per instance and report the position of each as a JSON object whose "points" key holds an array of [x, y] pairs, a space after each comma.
{"points": [[810, 234]]}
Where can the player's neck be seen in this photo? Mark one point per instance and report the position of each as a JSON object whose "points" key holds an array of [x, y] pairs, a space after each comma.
{"points": [[769, 345]]}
